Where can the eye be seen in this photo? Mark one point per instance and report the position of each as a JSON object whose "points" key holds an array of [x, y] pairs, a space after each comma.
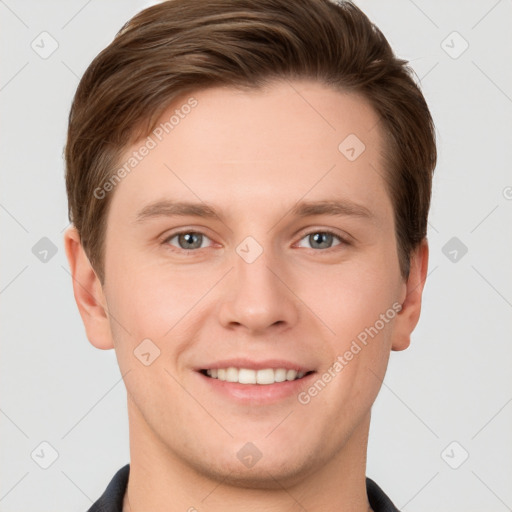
{"points": [[187, 240], [190, 240], [323, 239]]}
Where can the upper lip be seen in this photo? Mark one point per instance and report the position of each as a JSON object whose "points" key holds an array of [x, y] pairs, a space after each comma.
{"points": [[256, 365]]}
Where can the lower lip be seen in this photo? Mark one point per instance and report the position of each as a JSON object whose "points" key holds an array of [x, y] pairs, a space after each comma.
{"points": [[263, 394]]}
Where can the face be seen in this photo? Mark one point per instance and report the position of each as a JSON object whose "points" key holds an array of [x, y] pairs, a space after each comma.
{"points": [[287, 262]]}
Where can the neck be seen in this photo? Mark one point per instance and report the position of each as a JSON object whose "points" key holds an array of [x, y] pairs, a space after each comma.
{"points": [[161, 480]]}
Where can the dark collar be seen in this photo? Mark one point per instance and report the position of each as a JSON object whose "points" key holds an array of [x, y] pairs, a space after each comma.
{"points": [[112, 499]]}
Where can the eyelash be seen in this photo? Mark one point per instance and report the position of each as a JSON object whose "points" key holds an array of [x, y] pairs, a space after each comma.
{"points": [[343, 241]]}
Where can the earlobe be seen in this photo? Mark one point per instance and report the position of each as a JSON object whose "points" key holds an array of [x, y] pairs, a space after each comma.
{"points": [[409, 316], [88, 292]]}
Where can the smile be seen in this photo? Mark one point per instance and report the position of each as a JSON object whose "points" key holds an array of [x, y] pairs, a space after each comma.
{"points": [[248, 376]]}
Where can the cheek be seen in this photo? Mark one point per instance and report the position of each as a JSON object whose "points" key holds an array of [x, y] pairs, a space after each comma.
{"points": [[352, 296], [358, 303], [158, 303], [148, 296], [359, 309], [148, 307]]}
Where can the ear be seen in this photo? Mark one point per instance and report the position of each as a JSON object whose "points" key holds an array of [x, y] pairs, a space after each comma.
{"points": [[412, 293], [88, 292]]}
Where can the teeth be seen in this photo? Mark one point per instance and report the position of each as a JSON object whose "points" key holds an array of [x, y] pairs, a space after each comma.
{"points": [[247, 376], [280, 375], [231, 374]]}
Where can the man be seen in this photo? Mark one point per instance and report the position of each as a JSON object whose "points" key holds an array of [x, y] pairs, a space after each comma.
{"points": [[249, 185]]}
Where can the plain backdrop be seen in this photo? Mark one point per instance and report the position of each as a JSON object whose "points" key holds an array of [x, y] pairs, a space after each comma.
{"points": [[441, 437]]}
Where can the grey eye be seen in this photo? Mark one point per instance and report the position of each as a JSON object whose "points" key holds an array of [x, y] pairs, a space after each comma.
{"points": [[321, 239], [188, 240]]}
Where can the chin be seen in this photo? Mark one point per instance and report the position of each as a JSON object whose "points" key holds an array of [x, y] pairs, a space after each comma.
{"points": [[262, 472], [266, 476]]}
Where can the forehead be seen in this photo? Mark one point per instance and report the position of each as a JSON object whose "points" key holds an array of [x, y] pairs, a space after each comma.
{"points": [[294, 119], [288, 140]]}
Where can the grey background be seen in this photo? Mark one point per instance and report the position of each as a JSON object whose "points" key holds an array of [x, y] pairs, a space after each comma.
{"points": [[452, 385]]}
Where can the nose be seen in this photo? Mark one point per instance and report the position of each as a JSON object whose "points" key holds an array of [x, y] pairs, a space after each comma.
{"points": [[258, 296]]}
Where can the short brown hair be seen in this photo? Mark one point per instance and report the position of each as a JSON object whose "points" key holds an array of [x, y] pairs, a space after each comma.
{"points": [[179, 46]]}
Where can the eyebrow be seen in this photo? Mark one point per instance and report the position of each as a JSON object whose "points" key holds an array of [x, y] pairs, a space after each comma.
{"points": [[168, 208]]}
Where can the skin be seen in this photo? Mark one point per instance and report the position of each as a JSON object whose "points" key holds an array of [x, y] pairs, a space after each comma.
{"points": [[252, 156]]}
